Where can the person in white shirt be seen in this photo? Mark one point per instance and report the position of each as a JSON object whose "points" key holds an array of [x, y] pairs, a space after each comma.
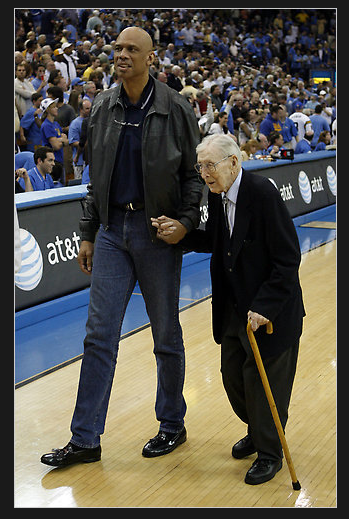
{"points": [[302, 121], [221, 125], [70, 73]]}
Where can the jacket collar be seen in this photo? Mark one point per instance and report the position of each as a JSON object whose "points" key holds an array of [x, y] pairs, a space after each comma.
{"points": [[161, 103]]}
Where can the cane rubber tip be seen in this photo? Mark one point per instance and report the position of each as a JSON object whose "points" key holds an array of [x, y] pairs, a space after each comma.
{"points": [[296, 485]]}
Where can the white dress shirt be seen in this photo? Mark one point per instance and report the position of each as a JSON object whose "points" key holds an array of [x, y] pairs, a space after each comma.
{"points": [[231, 196]]}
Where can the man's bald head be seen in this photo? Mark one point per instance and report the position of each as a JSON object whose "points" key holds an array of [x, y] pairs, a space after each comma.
{"points": [[142, 37]]}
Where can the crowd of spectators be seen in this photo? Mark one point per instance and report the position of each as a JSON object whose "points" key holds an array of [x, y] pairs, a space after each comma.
{"points": [[246, 72]]}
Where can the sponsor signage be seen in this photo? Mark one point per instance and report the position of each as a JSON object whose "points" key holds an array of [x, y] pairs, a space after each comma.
{"points": [[50, 242], [50, 235], [304, 186]]}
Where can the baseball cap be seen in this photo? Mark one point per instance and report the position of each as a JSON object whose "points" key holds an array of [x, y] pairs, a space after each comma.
{"points": [[57, 52], [77, 81], [65, 45], [297, 105], [45, 103]]}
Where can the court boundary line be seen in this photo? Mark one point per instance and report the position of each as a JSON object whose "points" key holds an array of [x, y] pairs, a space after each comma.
{"points": [[79, 357]]}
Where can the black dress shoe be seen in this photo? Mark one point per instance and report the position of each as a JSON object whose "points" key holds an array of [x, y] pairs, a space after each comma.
{"points": [[262, 470], [71, 454], [243, 448], [163, 443]]}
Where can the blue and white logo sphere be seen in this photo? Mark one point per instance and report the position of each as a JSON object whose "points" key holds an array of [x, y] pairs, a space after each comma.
{"points": [[332, 180], [30, 273], [304, 187]]}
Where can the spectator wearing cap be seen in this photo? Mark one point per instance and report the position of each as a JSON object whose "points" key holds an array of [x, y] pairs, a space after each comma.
{"points": [[301, 120], [58, 60], [69, 72], [51, 133], [77, 85]]}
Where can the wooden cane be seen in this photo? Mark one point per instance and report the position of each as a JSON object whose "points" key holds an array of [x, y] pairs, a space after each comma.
{"points": [[295, 483]]}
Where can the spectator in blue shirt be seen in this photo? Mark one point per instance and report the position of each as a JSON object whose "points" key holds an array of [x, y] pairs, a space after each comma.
{"points": [[74, 137], [289, 129], [303, 146], [319, 124], [51, 133], [39, 175], [31, 122], [272, 120], [324, 140]]}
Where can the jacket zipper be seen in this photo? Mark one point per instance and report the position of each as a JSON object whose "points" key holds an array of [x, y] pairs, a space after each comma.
{"points": [[111, 174]]}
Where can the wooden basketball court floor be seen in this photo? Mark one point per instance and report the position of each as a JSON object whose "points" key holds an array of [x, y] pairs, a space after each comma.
{"points": [[201, 472]]}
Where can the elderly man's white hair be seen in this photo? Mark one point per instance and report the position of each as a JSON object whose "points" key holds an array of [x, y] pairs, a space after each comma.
{"points": [[224, 143]]}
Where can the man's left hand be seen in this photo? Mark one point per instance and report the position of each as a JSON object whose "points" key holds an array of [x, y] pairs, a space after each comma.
{"points": [[256, 320], [169, 230]]}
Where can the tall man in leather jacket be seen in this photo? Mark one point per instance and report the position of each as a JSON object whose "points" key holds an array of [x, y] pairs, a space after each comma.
{"points": [[142, 137]]}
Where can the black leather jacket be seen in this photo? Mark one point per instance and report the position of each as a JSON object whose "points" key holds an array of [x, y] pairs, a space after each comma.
{"points": [[170, 136]]}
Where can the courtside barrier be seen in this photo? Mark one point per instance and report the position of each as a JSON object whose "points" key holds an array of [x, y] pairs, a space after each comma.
{"points": [[49, 223]]}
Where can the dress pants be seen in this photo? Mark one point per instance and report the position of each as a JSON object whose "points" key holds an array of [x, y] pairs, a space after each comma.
{"points": [[244, 387]]}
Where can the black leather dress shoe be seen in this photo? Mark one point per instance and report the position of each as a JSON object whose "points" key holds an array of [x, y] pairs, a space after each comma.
{"points": [[71, 454], [163, 443], [243, 448], [262, 470]]}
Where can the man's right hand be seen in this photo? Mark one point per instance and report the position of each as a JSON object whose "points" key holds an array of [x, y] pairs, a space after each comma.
{"points": [[85, 257]]}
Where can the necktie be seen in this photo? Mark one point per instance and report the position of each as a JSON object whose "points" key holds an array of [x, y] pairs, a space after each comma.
{"points": [[225, 209]]}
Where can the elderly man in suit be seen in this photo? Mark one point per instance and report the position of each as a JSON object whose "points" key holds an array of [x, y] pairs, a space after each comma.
{"points": [[254, 269]]}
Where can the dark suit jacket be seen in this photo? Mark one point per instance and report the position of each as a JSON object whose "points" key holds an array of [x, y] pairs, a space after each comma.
{"points": [[258, 267]]}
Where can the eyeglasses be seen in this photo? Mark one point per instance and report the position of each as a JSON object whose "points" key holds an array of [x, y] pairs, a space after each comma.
{"points": [[210, 166], [123, 123]]}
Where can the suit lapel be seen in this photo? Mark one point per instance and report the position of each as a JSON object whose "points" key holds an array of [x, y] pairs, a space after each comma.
{"points": [[242, 216]]}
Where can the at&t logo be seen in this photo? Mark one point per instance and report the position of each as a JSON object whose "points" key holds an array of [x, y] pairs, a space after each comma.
{"points": [[30, 273]]}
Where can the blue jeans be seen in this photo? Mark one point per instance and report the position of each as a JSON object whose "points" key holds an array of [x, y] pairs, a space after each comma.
{"points": [[124, 254]]}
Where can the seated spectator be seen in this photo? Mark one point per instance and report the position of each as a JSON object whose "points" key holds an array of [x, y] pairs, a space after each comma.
{"points": [[263, 145], [276, 144], [248, 149], [39, 176], [303, 146], [324, 141]]}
